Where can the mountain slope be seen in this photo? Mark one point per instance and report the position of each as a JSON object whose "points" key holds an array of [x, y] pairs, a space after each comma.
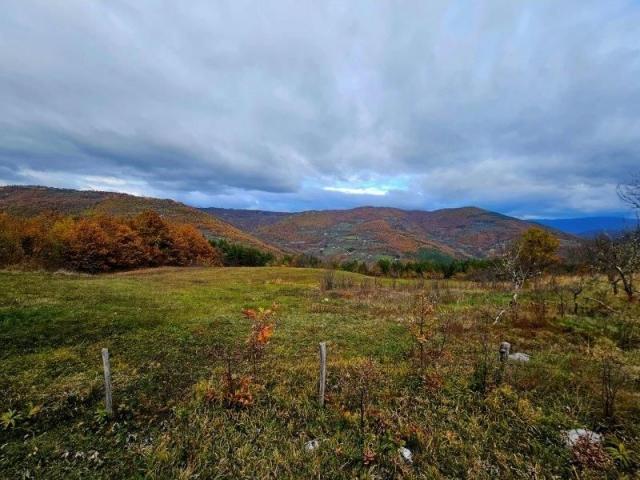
{"points": [[30, 201], [369, 232], [248, 220]]}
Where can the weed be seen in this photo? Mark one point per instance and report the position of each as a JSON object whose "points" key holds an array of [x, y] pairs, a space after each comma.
{"points": [[10, 419]]}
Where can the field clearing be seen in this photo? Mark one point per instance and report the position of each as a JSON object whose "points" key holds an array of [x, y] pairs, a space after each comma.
{"points": [[168, 331]]}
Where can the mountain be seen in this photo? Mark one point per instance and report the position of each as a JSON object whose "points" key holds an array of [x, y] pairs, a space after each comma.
{"points": [[366, 233], [248, 220], [363, 233], [33, 200], [589, 226]]}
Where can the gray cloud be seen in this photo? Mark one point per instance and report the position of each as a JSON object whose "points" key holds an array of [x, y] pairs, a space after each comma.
{"points": [[530, 108]]}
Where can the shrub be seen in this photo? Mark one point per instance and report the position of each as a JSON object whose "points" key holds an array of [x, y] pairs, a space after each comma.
{"points": [[304, 261], [262, 326], [236, 255], [328, 281]]}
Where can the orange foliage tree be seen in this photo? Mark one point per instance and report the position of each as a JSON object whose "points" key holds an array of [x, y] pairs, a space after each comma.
{"points": [[102, 243], [155, 235], [87, 247], [189, 247], [10, 248], [262, 326]]}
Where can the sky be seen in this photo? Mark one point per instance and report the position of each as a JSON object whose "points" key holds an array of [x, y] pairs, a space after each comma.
{"points": [[529, 108]]}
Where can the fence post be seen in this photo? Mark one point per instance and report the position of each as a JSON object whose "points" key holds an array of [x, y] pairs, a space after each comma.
{"points": [[108, 402], [323, 372]]}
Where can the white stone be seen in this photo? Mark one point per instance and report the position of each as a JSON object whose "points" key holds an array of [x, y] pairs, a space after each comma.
{"points": [[505, 349], [519, 357], [406, 454], [311, 445], [572, 436]]}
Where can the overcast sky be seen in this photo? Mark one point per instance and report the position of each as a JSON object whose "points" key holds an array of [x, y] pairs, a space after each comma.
{"points": [[527, 108]]}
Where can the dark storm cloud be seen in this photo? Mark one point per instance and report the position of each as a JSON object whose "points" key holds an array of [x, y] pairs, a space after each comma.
{"points": [[531, 108]]}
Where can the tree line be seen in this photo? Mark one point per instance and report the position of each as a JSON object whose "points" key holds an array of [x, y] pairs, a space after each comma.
{"points": [[396, 268], [102, 243]]}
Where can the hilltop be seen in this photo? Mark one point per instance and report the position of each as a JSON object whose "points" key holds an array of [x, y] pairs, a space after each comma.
{"points": [[367, 232], [34, 200]]}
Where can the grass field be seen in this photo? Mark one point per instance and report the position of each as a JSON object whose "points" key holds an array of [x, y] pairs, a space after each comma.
{"points": [[170, 332]]}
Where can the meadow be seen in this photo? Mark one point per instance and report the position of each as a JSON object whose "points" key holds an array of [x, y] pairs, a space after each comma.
{"points": [[411, 364]]}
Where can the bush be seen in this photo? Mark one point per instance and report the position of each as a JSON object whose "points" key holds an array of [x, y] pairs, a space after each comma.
{"points": [[236, 255], [302, 261]]}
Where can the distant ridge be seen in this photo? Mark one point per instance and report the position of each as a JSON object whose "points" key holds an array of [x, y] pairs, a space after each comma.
{"points": [[590, 226], [363, 233], [366, 233], [34, 200]]}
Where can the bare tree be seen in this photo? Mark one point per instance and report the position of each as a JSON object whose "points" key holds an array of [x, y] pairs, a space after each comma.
{"points": [[516, 272], [630, 192], [618, 258], [576, 288]]}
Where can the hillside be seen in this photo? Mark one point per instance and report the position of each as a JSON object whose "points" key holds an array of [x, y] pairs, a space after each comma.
{"points": [[247, 220], [31, 201], [363, 233], [368, 232]]}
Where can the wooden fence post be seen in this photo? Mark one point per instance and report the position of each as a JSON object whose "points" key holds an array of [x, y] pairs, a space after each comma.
{"points": [[323, 372], [108, 402]]}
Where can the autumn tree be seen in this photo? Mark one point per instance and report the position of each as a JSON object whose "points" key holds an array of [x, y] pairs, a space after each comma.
{"points": [[101, 243], [155, 235], [29, 241], [189, 247], [536, 250], [527, 257], [126, 247], [87, 247], [10, 248]]}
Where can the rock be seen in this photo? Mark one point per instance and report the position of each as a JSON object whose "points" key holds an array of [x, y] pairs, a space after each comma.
{"points": [[572, 436], [505, 348], [519, 357], [311, 445], [406, 454]]}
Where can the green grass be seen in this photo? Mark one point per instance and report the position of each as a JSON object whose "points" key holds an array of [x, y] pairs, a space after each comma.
{"points": [[167, 330]]}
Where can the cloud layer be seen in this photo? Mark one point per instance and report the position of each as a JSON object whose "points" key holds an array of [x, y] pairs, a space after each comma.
{"points": [[529, 108]]}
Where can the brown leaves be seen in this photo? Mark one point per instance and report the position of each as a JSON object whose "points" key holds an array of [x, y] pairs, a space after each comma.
{"points": [[238, 392], [587, 453], [368, 457], [264, 334], [262, 327]]}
